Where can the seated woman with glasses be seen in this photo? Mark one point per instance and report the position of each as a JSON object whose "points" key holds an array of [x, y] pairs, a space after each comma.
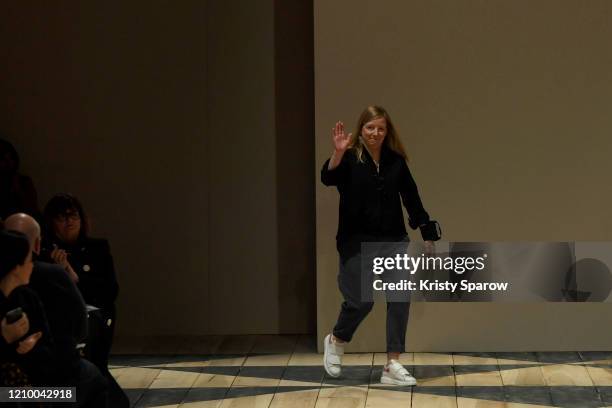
{"points": [[89, 263]]}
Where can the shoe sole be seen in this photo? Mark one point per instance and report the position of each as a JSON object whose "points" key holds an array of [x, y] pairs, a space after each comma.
{"points": [[325, 343], [392, 381]]}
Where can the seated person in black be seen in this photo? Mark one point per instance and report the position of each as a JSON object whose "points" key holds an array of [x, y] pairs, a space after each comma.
{"points": [[67, 318], [89, 263], [27, 342], [63, 303]]}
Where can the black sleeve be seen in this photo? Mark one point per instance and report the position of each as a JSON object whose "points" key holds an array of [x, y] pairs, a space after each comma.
{"points": [[107, 279], [7, 351], [337, 176], [80, 327], [68, 330], [42, 359], [417, 216], [43, 350]]}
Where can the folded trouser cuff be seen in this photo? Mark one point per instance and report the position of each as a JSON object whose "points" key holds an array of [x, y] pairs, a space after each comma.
{"points": [[396, 348]]}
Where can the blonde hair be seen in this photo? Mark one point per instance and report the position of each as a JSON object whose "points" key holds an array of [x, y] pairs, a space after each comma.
{"points": [[392, 140]]}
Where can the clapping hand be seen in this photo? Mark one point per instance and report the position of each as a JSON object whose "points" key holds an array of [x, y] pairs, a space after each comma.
{"points": [[60, 257]]}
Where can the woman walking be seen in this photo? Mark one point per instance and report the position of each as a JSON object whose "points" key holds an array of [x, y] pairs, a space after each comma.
{"points": [[369, 169]]}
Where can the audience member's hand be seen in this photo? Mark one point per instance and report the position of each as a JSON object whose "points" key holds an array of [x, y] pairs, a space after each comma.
{"points": [[72, 274], [16, 330], [60, 257], [28, 344]]}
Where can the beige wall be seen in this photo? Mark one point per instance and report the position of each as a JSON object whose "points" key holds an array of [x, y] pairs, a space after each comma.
{"points": [[162, 117], [504, 109]]}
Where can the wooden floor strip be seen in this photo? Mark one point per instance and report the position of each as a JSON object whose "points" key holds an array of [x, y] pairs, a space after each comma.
{"points": [[342, 397], [566, 374], [527, 376], [388, 398], [422, 400], [433, 359]]}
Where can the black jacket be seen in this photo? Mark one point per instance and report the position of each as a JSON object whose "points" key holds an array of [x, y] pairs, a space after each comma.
{"points": [[41, 364], [371, 202], [92, 261], [65, 310]]}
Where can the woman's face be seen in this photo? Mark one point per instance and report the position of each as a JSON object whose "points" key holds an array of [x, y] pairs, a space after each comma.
{"points": [[374, 132], [67, 226], [23, 272]]}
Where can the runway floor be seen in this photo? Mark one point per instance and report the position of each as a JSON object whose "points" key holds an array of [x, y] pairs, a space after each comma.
{"points": [[286, 371]]}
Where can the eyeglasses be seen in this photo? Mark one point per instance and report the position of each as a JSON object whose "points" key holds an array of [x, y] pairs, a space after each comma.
{"points": [[68, 216]]}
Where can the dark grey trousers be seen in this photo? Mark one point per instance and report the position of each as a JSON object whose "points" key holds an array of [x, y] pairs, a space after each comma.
{"points": [[356, 306]]}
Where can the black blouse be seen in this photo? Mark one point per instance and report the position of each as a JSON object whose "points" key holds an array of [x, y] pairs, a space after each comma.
{"points": [[370, 206], [92, 261]]}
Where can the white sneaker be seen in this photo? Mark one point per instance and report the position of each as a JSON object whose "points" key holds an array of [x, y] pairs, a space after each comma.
{"points": [[332, 357], [395, 373]]}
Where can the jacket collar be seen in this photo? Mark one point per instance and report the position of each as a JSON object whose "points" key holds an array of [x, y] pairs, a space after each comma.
{"points": [[385, 152]]}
